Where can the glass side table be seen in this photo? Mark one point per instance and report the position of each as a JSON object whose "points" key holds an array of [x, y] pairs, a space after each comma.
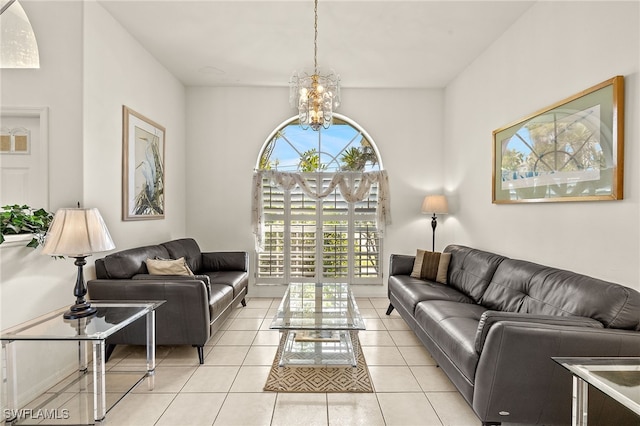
{"points": [[318, 321], [616, 377], [110, 317]]}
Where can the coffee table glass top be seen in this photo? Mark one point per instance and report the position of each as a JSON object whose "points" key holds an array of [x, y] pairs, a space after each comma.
{"points": [[326, 306], [618, 377], [110, 317]]}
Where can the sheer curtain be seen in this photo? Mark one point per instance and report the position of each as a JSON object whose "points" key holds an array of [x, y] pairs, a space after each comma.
{"points": [[358, 191]]}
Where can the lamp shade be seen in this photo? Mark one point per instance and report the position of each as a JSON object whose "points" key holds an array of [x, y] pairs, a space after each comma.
{"points": [[435, 204], [77, 233]]}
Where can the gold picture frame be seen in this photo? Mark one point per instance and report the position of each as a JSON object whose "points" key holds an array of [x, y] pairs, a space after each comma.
{"points": [[571, 151], [142, 167]]}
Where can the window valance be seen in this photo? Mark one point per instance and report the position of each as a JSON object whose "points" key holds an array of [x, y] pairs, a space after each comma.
{"points": [[353, 186]]}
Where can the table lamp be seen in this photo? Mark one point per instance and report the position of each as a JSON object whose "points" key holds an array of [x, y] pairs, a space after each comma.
{"points": [[435, 204], [78, 233]]}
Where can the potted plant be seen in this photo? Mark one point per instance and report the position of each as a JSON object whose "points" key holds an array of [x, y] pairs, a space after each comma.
{"points": [[21, 219]]}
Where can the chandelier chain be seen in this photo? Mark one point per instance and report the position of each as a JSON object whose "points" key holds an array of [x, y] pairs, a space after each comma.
{"points": [[315, 38]]}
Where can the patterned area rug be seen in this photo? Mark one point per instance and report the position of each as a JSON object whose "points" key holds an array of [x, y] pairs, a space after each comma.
{"points": [[320, 379]]}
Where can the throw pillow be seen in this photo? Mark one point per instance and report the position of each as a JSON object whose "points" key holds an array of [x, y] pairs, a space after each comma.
{"points": [[168, 267], [431, 266], [443, 268]]}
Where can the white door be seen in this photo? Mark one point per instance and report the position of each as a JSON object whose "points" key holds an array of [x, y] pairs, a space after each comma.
{"points": [[23, 159]]}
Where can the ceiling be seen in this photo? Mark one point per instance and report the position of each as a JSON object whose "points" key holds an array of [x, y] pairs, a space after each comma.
{"points": [[371, 44]]}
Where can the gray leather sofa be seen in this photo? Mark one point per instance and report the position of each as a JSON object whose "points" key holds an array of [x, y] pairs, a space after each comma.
{"points": [[196, 305], [495, 326]]}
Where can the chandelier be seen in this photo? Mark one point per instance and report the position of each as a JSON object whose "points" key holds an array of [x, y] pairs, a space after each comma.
{"points": [[316, 95]]}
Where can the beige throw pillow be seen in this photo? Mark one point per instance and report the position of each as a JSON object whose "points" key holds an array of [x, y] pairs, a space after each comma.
{"points": [[443, 268], [431, 266], [168, 267]]}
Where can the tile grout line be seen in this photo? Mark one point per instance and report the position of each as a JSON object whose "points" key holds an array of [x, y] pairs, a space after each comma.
{"points": [[273, 416]]}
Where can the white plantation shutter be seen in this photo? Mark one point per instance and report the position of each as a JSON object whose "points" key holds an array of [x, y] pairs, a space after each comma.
{"points": [[307, 238]]}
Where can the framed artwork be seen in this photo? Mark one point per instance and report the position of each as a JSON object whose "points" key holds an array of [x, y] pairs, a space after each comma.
{"points": [[142, 167], [570, 151]]}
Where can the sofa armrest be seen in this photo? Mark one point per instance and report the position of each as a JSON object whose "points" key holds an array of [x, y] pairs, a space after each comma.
{"points": [[517, 356], [164, 278], [401, 264], [225, 261], [149, 277], [183, 317], [490, 318]]}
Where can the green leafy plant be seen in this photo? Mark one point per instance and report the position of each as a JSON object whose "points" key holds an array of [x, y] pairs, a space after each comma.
{"points": [[150, 198], [355, 159], [310, 162], [16, 219]]}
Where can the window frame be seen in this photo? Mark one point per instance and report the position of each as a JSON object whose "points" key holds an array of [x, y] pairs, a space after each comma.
{"points": [[320, 218], [338, 117]]}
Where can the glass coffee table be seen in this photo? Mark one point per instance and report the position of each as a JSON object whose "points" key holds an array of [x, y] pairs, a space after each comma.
{"points": [[110, 317], [616, 377], [319, 323]]}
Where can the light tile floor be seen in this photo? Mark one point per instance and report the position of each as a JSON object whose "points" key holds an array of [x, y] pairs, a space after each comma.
{"points": [[227, 389]]}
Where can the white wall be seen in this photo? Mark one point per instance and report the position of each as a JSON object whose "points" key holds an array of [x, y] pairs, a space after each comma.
{"points": [[119, 71], [32, 284], [228, 126], [89, 68], [555, 50], [55, 85]]}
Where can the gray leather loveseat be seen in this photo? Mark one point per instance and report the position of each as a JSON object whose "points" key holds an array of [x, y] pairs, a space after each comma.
{"points": [[494, 327], [196, 305]]}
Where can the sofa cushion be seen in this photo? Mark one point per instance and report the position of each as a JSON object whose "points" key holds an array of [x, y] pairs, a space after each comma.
{"points": [[221, 297], [237, 280], [521, 286], [411, 291], [187, 248], [431, 266], [509, 285], [470, 270], [127, 263], [453, 326], [168, 267]]}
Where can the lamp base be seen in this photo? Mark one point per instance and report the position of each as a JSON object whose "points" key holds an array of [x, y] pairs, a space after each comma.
{"points": [[81, 310]]}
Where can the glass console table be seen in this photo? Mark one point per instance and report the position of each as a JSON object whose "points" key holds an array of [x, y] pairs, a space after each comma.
{"points": [[317, 321], [110, 317], [617, 377]]}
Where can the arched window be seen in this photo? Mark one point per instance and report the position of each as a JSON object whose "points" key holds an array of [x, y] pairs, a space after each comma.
{"points": [[18, 45], [320, 204]]}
